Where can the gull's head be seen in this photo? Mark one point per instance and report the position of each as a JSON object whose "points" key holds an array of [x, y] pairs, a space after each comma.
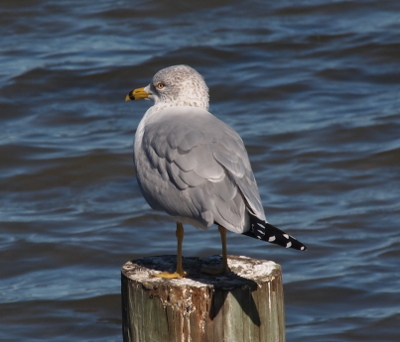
{"points": [[178, 85]]}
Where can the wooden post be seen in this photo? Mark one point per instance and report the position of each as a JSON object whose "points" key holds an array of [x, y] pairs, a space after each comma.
{"points": [[243, 305]]}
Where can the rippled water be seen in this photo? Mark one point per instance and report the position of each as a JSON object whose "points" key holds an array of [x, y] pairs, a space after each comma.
{"points": [[313, 87]]}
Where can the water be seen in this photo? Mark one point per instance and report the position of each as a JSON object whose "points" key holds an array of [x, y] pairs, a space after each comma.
{"points": [[313, 88]]}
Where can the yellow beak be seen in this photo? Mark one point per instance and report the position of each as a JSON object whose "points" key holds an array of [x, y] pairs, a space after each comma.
{"points": [[137, 94]]}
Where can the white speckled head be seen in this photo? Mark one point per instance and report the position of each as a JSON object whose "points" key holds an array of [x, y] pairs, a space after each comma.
{"points": [[179, 85]]}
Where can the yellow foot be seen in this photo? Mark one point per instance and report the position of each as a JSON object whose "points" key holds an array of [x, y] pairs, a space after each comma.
{"points": [[215, 270], [167, 275]]}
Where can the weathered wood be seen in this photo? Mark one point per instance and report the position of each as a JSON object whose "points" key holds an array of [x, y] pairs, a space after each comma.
{"points": [[244, 305]]}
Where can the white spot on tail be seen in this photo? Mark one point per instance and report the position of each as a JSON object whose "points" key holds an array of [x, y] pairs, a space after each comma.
{"points": [[272, 238], [302, 248], [286, 236], [262, 226], [260, 231], [289, 244]]}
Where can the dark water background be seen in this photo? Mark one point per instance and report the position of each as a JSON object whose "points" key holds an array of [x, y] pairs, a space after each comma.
{"points": [[313, 87]]}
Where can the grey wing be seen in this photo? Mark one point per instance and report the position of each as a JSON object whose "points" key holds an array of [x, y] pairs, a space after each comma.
{"points": [[199, 169]]}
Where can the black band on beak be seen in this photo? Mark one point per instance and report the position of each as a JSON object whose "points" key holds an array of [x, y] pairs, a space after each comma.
{"points": [[131, 95]]}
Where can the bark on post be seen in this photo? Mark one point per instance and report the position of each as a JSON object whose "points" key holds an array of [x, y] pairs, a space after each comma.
{"points": [[244, 305]]}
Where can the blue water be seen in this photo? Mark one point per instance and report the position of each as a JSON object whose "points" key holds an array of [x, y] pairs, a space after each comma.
{"points": [[313, 88]]}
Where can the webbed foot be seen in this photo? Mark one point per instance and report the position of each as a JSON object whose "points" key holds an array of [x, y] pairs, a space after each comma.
{"points": [[168, 275]]}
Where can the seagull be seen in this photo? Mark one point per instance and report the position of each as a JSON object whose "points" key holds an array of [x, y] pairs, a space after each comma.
{"points": [[195, 167]]}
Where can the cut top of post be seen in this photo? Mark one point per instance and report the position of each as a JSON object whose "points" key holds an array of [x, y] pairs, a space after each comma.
{"points": [[245, 271]]}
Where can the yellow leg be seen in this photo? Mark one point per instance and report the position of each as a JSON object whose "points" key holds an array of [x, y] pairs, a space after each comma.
{"points": [[222, 232], [225, 267], [179, 273], [179, 236]]}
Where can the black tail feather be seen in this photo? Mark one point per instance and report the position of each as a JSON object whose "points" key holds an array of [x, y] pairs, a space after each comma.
{"points": [[267, 232]]}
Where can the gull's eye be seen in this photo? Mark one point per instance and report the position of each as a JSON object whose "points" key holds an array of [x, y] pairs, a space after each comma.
{"points": [[160, 85]]}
